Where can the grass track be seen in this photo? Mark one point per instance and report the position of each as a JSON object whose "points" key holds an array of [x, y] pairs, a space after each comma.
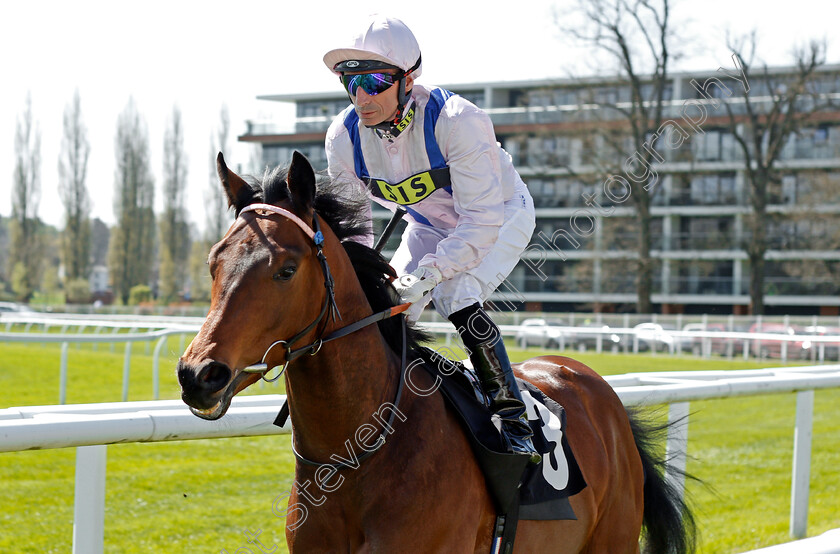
{"points": [[204, 496]]}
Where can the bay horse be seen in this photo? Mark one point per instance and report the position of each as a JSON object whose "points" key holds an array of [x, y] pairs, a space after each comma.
{"points": [[291, 283]]}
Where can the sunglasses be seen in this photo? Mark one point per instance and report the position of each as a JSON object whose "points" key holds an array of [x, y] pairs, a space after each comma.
{"points": [[371, 83]]}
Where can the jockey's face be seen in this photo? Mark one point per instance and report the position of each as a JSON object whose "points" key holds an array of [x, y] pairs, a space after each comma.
{"points": [[374, 109]]}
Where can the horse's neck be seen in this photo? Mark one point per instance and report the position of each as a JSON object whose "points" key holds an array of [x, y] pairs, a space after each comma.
{"points": [[344, 386]]}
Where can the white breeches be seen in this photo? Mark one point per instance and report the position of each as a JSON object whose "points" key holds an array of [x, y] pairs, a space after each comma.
{"points": [[476, 284]]}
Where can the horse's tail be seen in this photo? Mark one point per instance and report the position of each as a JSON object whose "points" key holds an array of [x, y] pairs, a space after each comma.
{"points": [[669, 526]]}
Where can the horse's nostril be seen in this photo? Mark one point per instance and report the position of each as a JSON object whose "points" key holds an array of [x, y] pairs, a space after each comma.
{"points": [[214, 376]]}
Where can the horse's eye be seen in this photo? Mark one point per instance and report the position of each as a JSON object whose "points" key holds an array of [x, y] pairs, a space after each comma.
{"points": [[285, 273]]}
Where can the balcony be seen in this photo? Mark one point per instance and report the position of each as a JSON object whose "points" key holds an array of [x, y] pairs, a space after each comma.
{"points": [[794, 286], [557, 283], [704, 241]]}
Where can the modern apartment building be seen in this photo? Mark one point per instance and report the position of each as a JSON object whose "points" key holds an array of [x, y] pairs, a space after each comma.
{"points": [[582, 254]]}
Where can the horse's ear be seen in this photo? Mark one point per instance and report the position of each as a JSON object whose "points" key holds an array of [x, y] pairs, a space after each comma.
{"points": [[301, 181], [238, 192]]}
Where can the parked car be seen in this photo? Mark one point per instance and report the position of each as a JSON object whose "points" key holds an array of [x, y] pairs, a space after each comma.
{"points": [[14, 307], [692, 343], [583, 338], [772, 348], [723, 346], [831, 350], [653, 336], [540, 332]]}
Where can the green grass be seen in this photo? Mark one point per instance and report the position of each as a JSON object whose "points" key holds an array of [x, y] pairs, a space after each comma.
{"points": [[203, 496]]}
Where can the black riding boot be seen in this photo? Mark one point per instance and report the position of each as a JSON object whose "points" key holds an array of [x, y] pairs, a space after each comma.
{"points": [[490, 361]]}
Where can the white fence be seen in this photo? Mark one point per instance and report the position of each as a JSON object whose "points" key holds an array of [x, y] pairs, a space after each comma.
{"points": [[602, 339], [91, 427], [159, 337], [827, 543]]}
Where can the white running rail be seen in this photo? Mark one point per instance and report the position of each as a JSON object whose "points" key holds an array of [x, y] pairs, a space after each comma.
{"points": [[90, 427]]}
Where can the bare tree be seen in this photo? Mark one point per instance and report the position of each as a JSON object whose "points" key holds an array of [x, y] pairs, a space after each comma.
{"points": [[636, 36], [4, 251], [218, 219], [25, 253], [131, 249], [199, 273], [762, 127], [218, 216], [174, 228], [72, 174]]}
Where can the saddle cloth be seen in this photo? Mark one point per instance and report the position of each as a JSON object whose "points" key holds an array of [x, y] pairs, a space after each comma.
{"points": [[545, 487]]}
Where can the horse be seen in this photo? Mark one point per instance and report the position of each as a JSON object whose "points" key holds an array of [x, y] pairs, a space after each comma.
{"points": [[293, 286]]}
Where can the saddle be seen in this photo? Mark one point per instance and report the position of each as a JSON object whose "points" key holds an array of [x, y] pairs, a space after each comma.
{"points": [[541, 491]]}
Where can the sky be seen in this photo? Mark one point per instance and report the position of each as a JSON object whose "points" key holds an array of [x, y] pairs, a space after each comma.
{"points": [[203, 55]]}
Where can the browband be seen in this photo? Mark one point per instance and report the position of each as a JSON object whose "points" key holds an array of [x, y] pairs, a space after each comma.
{"points": [[285, 213]]}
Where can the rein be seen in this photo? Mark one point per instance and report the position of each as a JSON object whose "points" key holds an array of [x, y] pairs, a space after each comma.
{"points": [[313, 348], [329, 302]]}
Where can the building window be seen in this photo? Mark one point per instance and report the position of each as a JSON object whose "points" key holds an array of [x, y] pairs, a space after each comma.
{"points": [[801, 277], [565, 97], [321, 108], [704, 189], [511, 146], [704, 277], [618, 276], [621, 233], [705, 233], [728, 191], [539, 98], [706, 146], [275, 154], [789, 189], [648, 91], [476, 98]]}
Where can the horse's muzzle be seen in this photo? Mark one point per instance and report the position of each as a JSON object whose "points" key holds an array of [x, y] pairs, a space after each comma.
{"points": [[200, 385]]}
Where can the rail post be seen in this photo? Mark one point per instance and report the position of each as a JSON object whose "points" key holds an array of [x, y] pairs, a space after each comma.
{"points": [[62, 375], [89, 504], [156, 366], [126, 370], [801, 480]]}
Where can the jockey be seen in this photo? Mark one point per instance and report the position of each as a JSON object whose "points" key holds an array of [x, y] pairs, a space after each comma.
{"points": [[469, 214]]}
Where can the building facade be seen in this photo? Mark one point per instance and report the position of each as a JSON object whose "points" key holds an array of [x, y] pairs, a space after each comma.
{"points": [[583, 250]]}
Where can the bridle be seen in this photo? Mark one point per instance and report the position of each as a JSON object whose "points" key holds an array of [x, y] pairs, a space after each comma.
{"points": [[329, 304]]}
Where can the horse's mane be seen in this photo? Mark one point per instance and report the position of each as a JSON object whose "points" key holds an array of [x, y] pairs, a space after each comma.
{"points": [[345, 211]]}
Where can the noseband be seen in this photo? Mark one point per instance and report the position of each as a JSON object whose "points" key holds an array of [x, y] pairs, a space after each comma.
{"points": [[317, 237]]}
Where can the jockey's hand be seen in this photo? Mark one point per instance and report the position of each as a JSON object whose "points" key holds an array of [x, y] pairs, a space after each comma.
{"points": [[415, 285]]}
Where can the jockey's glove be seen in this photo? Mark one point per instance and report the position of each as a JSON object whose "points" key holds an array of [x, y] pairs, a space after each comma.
{"points": [[415, 285]]}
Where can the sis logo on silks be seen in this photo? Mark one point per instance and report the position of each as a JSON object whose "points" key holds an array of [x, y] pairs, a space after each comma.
{"points": [[412, 190]]}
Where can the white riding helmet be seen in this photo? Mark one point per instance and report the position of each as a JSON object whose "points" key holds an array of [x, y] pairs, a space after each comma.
{"points": [[386, 43]]}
